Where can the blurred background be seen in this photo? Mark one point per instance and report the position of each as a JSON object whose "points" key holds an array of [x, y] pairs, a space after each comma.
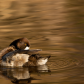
{"points": [[55, 26]]}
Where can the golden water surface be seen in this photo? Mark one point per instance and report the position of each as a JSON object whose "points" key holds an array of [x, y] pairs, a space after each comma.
{"points": [[56, 27]]}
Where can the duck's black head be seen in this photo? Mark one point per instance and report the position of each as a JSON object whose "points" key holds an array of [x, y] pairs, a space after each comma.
{"points": [[21, 43]]}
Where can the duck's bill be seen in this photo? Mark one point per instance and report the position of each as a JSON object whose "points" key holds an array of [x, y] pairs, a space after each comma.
{"points": [[30, 51], [26, 51]]}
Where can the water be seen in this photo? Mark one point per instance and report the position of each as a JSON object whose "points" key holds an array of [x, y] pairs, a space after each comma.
{"points": [[56, 27]]}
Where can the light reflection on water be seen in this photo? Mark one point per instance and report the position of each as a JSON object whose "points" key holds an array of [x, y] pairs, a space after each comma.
{"points": [[56, 27], [24, 75]]}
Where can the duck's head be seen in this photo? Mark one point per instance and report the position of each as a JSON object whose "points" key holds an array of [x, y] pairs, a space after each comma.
{"points": [[21, 43]]}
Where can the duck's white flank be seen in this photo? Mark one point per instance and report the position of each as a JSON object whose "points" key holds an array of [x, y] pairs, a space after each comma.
{"points": [[17, 60]]}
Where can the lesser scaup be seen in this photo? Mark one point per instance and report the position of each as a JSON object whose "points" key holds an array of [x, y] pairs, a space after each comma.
{"points": [[18, 54]]}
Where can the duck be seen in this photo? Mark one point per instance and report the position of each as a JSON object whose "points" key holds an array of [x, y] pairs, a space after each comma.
{"points": [[18, 54]]}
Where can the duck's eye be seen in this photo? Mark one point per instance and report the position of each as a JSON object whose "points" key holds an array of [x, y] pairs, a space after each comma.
{"points": [[25, 44]]}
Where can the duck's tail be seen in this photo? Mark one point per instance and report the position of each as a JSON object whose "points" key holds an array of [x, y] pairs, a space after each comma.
{"points": [[48, 57]]}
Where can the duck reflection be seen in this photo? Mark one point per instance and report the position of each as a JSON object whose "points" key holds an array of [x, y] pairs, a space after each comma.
{"points": [[43, 68], [22, 75]]}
